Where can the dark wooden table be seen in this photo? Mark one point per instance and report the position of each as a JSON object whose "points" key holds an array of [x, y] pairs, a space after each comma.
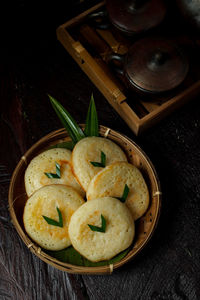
{"points": [[33, 64]]}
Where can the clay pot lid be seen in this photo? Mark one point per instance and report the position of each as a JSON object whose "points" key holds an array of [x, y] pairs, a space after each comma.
{"points": [[156, 65], [135, 16]]}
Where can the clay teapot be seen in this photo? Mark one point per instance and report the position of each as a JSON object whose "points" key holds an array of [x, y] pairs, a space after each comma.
{"points": [[151, 66], [131, 17], [135, 16]]}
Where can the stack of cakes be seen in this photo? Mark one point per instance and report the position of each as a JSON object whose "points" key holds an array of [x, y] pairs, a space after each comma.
{"points": [[56, 214]]}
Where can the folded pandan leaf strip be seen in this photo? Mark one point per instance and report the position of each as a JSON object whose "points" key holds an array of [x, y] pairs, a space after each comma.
{"points": [[97, 228], [125, 194], [101, 164], [53, 175], [54, 222]]}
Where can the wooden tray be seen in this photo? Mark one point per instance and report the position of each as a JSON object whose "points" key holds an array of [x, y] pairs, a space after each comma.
{"points": [[90, 47]]}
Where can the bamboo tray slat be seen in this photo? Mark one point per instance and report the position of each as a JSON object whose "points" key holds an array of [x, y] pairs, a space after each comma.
{"points": [[90, 47]]}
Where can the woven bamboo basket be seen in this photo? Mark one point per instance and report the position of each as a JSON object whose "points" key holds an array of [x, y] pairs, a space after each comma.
{"points": [[145, 226]]}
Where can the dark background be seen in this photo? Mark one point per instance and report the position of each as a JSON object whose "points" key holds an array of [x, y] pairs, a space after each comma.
{"points": [[32, 64]]}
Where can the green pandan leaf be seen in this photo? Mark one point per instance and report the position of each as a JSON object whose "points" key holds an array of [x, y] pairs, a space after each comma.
{"points": [[53, 175], [97, 228], [125, 194], [67, 145], [101, 164], [68, 255], [92, 124], [54, 222], [68, 122], [71, 256]]}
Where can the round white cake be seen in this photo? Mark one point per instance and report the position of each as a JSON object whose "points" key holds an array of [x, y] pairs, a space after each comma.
{"points": [[111, 182], [45, 162], [44, 202], [89, 150], [119, 230]]}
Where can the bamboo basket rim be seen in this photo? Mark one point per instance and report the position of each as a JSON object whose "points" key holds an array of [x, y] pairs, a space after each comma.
{"points": [[74, 269]]}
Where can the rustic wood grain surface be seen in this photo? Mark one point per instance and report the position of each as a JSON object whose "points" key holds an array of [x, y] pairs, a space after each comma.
{"points": [[33, 64]]}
